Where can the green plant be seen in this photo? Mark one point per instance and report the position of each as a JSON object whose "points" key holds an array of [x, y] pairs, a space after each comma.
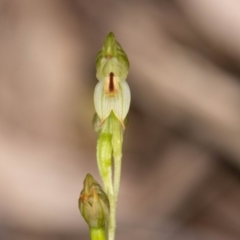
{"points": [[112, 101]]}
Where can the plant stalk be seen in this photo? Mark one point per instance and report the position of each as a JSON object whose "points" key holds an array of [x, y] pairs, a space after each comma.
{"points": [[97, 233]]}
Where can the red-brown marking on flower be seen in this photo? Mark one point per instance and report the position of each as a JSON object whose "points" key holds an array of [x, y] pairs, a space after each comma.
{"points": [[111, 85], [84, 197]]}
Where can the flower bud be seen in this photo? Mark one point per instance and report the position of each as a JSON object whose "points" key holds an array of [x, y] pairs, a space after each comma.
{"points": [[93, 203], [112, 93]]}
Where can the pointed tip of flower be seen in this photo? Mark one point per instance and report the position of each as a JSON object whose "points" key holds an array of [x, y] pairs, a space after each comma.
{"points": [[110, 36], [109, 46], [89, 180], [112, 58]]}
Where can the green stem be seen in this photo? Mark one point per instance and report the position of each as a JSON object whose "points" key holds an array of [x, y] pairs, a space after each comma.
{"points": [[104, 160], [112, 217], [109, 148], [97, 233], [117, 175], [117, 140], [104, 156]]}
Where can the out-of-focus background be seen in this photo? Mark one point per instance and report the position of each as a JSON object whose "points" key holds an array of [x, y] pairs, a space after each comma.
{"points": [[181, 162]]}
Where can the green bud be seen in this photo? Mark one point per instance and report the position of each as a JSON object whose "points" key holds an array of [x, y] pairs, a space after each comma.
{"points": [[93, 203], [112, 93]]}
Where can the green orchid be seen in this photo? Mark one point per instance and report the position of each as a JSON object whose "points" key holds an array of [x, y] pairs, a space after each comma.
{"points": [[112, 101], [112, 93]]}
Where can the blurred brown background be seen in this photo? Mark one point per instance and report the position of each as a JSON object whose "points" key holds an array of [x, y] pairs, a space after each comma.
{"points": [[181, 162]]}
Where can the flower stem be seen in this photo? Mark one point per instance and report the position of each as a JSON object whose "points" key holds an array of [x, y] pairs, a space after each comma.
{"points": [[109, 156], [112, 217], [117, 140], [97, 233], [104, 159]]}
